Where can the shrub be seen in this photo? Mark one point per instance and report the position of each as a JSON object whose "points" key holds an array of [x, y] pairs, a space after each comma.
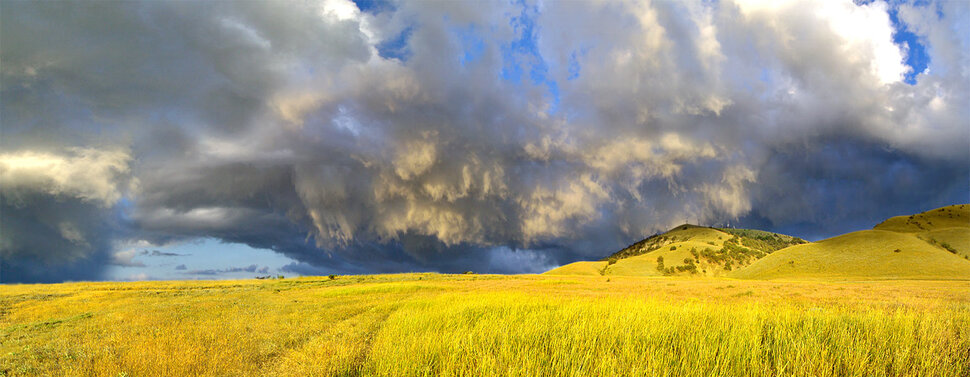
{"points": [[672, 248], [897, 251], [690, 267], [948, 247], [332, 277]]}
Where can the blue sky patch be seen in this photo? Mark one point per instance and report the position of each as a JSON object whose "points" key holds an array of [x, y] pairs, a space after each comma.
{"points": [[472, 45], [374, 6], [916, 56], [397, 47], [522, 54]]}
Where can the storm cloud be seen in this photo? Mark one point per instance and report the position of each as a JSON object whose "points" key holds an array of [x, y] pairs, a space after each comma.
{"points": [[453, 136]]}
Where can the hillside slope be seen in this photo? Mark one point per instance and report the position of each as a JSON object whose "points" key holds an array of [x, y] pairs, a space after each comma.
{"points": [[930, 245], [685, 250], [862, 254], [955, 216], [579, 268]]}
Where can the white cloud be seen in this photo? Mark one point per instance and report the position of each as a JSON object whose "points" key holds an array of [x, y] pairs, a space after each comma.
{"points": [[85, 173], [126, 258], [281, 126]]}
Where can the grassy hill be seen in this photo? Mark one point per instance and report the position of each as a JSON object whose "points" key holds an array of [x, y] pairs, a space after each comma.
{"points": [[929, 245], [579, 268], [862, 254], [685, 250], [955, 216]]}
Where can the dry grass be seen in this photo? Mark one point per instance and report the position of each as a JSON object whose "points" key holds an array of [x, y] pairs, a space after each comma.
{"points": [[580, 268], [427, 324], [867, 254], [954, 216]]}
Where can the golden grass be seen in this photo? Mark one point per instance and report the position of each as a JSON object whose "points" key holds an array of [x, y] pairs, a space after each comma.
{"points": [[927, 245], [958, 239], [450, 325], [579, 268], [676, 248], [954, 216], [673, 255], [868, 254]]}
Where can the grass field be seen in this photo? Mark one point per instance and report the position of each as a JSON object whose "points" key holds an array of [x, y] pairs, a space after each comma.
{"points": [[452, 325]]}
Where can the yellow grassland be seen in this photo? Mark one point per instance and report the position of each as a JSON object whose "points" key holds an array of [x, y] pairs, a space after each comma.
{"points": [[873, 254], [484, 325]]}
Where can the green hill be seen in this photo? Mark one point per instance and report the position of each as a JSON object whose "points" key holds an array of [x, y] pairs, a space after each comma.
{"points": [[930, 245], [685, 250]]}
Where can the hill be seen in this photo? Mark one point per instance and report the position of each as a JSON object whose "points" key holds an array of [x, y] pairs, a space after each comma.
{"points": [[862, 254], [930, 245], [685, 250], [579, 268], [955, 216]]}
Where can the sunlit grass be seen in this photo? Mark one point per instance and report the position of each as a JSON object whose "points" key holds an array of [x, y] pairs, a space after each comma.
{"points": [[426, 324]]}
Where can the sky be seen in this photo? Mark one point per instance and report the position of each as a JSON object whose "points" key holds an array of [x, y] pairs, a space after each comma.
{"points": [[214, 140]]}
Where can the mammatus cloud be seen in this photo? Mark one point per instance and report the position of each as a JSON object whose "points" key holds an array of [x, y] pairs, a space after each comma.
{"points": [[493, 137]]}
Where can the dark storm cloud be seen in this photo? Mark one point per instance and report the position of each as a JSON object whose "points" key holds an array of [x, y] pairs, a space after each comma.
{"points": [[837, 185], [455, 136], [158, 253], [212, 272]]}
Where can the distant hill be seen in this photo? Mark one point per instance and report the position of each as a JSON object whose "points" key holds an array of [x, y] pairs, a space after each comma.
{"points": [[955, 216], [686, 250], [930, 245], [579, 268]]}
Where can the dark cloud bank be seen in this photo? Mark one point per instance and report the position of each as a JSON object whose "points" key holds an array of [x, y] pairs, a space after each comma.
{"points": [[453, 136]]}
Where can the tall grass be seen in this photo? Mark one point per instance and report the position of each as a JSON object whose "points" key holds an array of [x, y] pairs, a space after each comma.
{"points": [[446, 325], [514, 334]]}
